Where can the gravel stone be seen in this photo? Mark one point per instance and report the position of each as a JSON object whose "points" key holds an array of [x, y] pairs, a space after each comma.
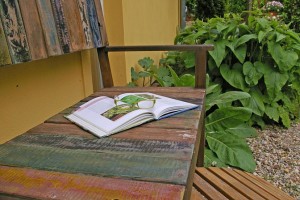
{"points": [[277, 154]]}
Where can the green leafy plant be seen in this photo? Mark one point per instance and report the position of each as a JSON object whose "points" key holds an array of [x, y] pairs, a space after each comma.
{"points": [[253, 79], [260, 57], [226, 127]]}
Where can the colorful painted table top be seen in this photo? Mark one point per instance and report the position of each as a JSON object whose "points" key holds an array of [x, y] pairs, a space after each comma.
{"points": [[59, 160]]}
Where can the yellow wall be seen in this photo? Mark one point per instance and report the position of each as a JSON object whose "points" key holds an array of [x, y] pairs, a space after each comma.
{"points": [[34, 91], [138, 22]]}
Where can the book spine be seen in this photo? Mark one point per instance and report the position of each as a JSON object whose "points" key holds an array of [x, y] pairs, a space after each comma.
{"points": [[61, 25], [74, 25], [49, 28], [101, 22], [33, 29], [14, 31], [93, 18], [82, 5], [4, 52]]}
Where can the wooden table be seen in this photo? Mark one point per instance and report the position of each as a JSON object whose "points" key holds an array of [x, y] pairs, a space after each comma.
{"points": [[59, 160]]}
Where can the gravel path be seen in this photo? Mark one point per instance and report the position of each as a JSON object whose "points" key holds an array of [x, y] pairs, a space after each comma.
{"points": [[277, 154]]}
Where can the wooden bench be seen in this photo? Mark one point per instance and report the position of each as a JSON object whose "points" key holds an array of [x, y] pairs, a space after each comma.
{"points": [[226, 183], [59, 160]]}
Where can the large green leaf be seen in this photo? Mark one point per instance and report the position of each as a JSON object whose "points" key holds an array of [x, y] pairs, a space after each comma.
{"points": [[242, 130], [211, 159], [245, 38], [255, 102], [251, 73], [274, 81], [232, 150], [272, 113], [228, 117], [239, 52], [226, 98], [234, 76], [285, 59], [219, 51]]}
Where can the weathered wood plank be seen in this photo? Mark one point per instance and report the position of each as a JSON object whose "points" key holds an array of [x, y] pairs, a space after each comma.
{"points": [[33, 27], [86, 27], [73, 22], [92, 13], [168, 149], [14, 30], [61, 25], [138, 133], [4, 51], [49, 185], [147, 168], [49, 28]]}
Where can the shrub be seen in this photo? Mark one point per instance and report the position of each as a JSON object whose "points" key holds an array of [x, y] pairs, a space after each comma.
{"points": [[260, 58]]}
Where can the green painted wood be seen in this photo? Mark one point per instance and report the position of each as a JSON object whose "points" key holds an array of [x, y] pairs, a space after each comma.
{"points": [[40, 184], [167, 149], [12, 197], [147, 168]]}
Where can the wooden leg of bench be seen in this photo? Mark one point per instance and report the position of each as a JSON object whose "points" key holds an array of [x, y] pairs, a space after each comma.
{"points": [[200, 160]]}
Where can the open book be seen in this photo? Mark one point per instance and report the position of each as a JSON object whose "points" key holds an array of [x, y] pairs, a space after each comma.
{"points": [[104, 116]]}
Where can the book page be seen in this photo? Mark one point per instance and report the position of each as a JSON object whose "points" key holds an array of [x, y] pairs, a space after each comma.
{"points": [[163, 106], [103, 113]]}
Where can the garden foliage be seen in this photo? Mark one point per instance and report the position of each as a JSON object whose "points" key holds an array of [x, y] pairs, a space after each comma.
{"points": [[253, 79], [210, 8]]}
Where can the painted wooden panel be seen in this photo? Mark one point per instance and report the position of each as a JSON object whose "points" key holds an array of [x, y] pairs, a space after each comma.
{"points": [[4, 52], [138, 133], [61, 25], [168, 149], [33, 29], [92, 13], [14, 30], [74, 25], [114, 164], [86, 27], [54, 185], [101, 22], [49, 27]]}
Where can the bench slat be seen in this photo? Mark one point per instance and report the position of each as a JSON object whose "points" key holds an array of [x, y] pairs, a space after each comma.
{"points": [[56, 185], [188, 136], [215, 182], [219, 184], [108, 164], [250, 184], [265, 185], [207, 189], [235, 183]]}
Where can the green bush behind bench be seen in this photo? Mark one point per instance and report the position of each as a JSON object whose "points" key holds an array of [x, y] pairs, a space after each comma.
{"points": [[253, 79]]}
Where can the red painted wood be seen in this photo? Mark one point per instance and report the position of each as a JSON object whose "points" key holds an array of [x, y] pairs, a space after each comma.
{"points": [[54, 185]]}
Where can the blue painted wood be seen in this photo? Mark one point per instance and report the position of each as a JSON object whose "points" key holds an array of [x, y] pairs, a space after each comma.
{"points": [[93, 18]]}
